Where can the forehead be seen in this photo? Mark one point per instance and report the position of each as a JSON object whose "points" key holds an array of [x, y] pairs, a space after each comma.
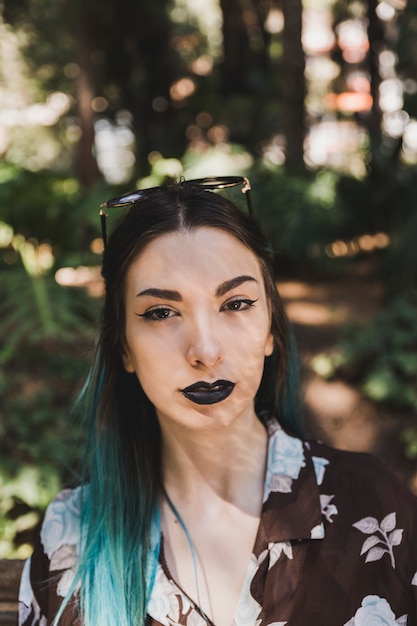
{"points": [[204, 255]]}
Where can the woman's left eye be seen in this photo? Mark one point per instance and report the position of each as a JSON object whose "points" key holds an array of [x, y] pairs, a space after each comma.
{"points": [[241, 304], [157, 314]]}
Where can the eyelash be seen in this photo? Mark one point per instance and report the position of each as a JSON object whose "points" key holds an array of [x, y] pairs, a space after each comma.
{"points": [[246, 301], [158, 314]]}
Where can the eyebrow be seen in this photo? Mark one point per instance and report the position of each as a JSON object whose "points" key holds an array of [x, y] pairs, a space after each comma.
{"points": [[163, 294], [228, 285], [222, 289]]}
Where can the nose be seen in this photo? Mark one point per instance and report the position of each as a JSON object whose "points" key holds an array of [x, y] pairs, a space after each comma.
{"points": [[204, 348]]}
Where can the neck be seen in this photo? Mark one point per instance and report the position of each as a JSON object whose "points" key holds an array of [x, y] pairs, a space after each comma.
{"points": [[227, 465]]}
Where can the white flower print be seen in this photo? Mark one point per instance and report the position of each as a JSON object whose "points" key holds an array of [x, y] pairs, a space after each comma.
{"points": [[248, 609], [65, 582], [62, 521], [27, 601], [414, 580], [285, 460], [317, 532], [383, 537], [328, 509], [275, 550], [195, 619], [319, 464], [65, 559], [164, 605], [60, 536], [25, 590], [375, 611]]}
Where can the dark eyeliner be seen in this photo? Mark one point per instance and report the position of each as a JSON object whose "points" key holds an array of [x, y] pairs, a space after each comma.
{"points": [[246, 301], [151, 314]]}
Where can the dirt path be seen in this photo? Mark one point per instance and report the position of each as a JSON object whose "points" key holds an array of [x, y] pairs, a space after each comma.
{"points": [[334, 411]]}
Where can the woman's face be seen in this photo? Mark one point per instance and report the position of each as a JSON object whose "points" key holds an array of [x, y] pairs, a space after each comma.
{"points": [[197, 328]]}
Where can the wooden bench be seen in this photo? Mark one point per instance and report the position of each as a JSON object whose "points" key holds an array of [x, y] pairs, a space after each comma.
{"points": [[10, 572]]}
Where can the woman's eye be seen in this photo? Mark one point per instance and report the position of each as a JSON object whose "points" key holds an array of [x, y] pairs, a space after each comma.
{"points": [[158, 314], [238, 305]]}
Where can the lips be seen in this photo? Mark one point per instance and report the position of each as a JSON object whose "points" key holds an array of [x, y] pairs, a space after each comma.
{"points": [[208, 393]]}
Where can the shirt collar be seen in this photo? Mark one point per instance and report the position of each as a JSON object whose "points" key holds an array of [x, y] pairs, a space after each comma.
{"points": [[291, 509]]}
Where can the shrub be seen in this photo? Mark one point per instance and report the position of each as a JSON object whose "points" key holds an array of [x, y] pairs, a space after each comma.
{"points": [[380, 357]]}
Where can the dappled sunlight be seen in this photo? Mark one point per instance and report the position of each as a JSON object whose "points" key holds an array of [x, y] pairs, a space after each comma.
{"points": [[358, 245], [335, 412], [182, 89], [338, 417], [312, 314], [88, 278], [330, 303], [300, 308]]}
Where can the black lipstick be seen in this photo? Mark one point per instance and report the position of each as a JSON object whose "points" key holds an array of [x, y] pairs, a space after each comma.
{"points": [[208, 393]]}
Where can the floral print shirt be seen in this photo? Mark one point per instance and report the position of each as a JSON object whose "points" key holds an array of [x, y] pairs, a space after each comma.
{"points": [[336, 546]]}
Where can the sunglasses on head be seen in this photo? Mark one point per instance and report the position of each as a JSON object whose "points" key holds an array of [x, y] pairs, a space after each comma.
{"points": [[209, 184]]}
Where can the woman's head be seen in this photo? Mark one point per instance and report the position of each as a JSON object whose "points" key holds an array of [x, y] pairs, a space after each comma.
{"points": [[198, 328], [183, 209]]}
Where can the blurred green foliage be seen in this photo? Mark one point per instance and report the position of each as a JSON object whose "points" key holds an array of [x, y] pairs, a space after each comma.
{"points": [[380, 357], [301, 214], [46, 339], [51, 207]]}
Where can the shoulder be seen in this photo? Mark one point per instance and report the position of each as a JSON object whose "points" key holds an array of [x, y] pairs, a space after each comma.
{"points": [[362, 486], [61, 524], [355, 466], [56, 552]]}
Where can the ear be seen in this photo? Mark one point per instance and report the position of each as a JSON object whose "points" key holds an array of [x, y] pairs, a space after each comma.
{"points": [[269, 345], [127, 361]]}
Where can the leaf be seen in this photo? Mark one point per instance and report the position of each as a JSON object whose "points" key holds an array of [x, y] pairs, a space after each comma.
{"points": [[282, 484], [375, 554], [369, 543], [325, 500], [389, 522], [367, 525], [277, 549], [395, 537], [64, 558]]}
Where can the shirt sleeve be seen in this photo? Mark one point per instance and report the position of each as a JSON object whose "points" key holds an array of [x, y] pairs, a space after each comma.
{"points": [[33, 597], [48, 575]]}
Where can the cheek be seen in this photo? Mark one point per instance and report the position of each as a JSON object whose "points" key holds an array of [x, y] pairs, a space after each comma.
{"points": [[147, 352]]}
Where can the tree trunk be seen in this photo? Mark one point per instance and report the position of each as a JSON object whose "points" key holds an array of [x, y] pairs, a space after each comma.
{"points": [[235, 47], [294, 87], [85, 162], [376, 41]]}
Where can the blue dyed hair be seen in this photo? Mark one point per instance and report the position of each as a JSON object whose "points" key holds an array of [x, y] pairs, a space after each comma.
{"points": [[119, 518]]}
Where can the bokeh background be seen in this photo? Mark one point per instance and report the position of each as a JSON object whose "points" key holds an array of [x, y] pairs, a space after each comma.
{"points": [[315, 102]]}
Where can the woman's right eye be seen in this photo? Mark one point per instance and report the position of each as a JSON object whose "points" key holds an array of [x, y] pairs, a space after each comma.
{"points": [[158, 314]]}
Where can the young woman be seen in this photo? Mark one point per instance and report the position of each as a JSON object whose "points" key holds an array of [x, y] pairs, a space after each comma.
{"points": [[200, 505]]}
